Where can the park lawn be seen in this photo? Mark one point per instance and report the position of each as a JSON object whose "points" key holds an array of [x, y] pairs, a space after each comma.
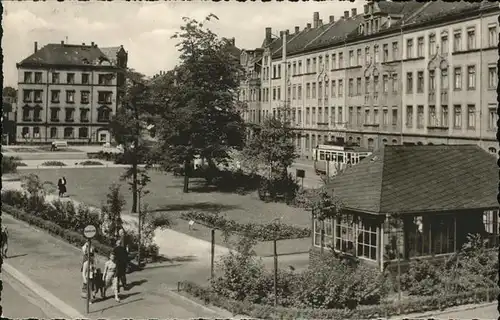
{"points": [[90, 186]]}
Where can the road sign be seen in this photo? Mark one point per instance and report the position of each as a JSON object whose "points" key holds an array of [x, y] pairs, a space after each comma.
{"points": [[300, 173], [89, 231]]}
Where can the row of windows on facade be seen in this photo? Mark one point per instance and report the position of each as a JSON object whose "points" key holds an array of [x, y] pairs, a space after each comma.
{"points": [[103, 97], [313, 64], [425, 236], [356, 88], [68, 133], [313, 140], [436, 118], [103, 79], [103, 115]]}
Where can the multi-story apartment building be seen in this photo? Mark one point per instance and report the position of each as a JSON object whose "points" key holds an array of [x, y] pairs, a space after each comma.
{"points": [[69, 92], [397, 73]]}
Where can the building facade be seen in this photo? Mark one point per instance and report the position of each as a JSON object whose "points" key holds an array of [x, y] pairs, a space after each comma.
{"points": [[397, 73], [69, 92]]}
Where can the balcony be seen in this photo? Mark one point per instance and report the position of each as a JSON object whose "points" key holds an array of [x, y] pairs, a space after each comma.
{"points": [[371, 125], [437, 129], [322, 125], [340, 126]]}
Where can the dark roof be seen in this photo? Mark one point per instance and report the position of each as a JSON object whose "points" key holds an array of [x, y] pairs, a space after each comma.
{"points": [[440, 9], [410, 13], [65, 54], [419, 179], [338, 32], [111, 53]]}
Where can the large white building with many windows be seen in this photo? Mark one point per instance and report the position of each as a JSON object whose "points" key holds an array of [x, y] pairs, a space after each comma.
{"points": [[69, 92], [396, 73]]}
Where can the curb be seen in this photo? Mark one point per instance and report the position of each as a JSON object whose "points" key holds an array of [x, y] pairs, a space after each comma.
{"points": [[176, 295], [64, 308], [439, 314]]}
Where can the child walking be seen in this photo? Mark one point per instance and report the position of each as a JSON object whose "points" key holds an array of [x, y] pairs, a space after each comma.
{"points": [[88, 264], [110, 276]]}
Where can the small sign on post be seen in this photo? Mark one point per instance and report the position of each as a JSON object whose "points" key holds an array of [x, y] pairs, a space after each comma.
{"points": [[89, 232]]}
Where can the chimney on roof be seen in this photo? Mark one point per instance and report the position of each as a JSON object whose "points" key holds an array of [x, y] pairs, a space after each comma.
{"points": [[354, 12], [315, 19], [92, 43], [332, 19], [268, 34], [281, 34], [297, 29], [62, 43], [233, 41], [36, 46], [320, 22], [287, 32], [346, 14], [83, 43], [308, 26]]}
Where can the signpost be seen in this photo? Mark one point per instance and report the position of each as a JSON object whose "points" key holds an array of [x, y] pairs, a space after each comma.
{"points": [[89, 232]]}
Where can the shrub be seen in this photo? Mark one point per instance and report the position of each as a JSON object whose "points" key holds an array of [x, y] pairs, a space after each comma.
{"points": [[383, 310], [422, 278], [21, 164], [53, 164], [10, 164], [91, 163]]}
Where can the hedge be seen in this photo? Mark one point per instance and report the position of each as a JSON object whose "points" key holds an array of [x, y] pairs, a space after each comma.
{"points": [[410, 305], [70, 236], [262, 232]]}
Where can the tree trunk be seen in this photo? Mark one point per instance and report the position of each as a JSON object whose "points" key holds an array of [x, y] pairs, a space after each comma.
{"points": [[139, 236], [186, 176], [134, 185]]}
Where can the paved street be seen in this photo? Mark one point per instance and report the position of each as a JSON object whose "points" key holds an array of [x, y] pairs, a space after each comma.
{"points": [[19, 302]]}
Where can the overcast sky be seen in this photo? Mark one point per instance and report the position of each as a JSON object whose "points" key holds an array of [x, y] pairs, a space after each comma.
{"points": [[144, 29]]}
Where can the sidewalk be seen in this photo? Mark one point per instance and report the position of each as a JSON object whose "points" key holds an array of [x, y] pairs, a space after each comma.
{"points": [[55, 265]]}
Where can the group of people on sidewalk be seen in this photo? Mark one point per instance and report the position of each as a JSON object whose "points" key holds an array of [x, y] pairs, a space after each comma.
{"points": [[113, 276]]}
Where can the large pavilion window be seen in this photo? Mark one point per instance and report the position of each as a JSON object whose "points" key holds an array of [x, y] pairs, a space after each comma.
{"points": [[367, 238], [491, 226]]}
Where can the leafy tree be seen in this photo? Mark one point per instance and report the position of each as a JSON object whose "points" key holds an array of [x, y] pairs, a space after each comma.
{"points": [[199, 115], [272, 145], [128, 126], [323, 205], [9, 92], [112, 211]]}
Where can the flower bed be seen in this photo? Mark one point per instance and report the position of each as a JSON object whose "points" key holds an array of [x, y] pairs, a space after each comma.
{"points": [[72, 237], [411, 305], [65, 220], [53, 164], [91, 163]]}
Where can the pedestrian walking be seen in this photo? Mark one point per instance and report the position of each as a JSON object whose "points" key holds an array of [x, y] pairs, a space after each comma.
{"points": [[121, 255], [110, 276], [5, 242], [85, 250], [61, 185], [89, 264]]}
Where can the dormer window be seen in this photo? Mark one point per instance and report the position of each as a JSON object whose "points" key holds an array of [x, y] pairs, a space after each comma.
{"points": [[376, 26], [361, 28]]}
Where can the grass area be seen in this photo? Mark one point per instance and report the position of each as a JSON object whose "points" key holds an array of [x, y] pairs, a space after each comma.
{"points": [[90, 186]]}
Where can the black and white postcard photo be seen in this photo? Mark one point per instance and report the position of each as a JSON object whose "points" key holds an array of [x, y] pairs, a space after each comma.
{"points": [[250, 160]]}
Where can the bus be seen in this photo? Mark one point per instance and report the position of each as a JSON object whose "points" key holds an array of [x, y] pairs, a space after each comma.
{"points": [[340, 156]]}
